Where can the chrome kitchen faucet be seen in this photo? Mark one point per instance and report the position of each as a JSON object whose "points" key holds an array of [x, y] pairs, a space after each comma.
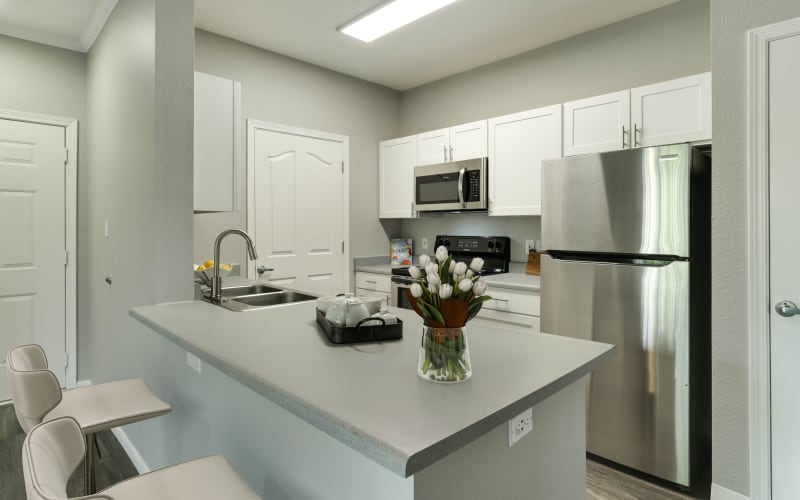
{"points": [[216, 283]]}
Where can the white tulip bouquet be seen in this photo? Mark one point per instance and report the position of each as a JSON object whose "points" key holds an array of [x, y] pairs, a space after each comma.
{"points": [[447, 294]]}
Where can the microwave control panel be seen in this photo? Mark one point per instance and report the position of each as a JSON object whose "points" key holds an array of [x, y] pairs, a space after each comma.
{"points": [[473, 186]]}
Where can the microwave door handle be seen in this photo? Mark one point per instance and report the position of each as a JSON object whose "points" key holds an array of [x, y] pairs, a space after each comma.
{"points": [[461, 187]]}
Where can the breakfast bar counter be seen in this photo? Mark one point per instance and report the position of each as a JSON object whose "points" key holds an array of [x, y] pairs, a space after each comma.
{"points": [[369, 398]]}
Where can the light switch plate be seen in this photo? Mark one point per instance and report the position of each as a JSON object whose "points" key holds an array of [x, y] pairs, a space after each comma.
{"points": [[194, 362], [424, 243]]}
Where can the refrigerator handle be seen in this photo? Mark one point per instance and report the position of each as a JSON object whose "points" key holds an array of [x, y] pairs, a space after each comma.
{"points": [[620, 260]]}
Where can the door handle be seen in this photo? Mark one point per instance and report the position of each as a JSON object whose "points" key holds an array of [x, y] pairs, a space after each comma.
{"points": [[262, 269], [444, 148], [461, 187], [787, 308]]}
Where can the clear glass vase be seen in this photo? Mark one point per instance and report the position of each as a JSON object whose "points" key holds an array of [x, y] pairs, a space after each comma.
{"points": [[444, 355]]}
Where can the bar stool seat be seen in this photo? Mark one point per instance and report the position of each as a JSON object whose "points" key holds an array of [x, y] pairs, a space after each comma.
{"points": [[52, 450], [104, 406], [38, 398]]}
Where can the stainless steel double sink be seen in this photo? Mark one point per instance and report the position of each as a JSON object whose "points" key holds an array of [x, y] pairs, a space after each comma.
{"points": [[254, 297]]}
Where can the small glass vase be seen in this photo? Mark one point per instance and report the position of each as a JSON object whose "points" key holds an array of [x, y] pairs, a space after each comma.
{"points": [[444, 355]]}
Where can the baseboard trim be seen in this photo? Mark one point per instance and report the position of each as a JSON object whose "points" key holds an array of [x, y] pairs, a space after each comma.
{"points": [[124, 441], [721, 493]]}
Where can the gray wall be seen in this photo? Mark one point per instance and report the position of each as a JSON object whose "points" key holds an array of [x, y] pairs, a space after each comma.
{"points": [[44, 79], [667, 43], [278, 89], [730, 21], [139, 175]]}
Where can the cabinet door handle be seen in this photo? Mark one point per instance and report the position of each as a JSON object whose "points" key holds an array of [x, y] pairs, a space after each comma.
{"points": [[623, 137], [636, 131], [444, 148], [501, 300], [451, 153], [370, 281]]}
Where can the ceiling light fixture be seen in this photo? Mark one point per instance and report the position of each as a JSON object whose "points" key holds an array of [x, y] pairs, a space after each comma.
{"points": [[389, 16]]}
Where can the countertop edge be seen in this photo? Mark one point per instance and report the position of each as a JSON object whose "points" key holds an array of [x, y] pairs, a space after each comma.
{"points": [[396, 461]]}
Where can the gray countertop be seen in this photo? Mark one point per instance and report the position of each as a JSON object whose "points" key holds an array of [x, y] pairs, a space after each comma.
{"points": [[369, 396], [515, 279]]}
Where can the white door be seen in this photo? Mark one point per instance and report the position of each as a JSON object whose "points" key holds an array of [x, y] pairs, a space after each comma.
{"points": [[433, 147], [671, 112], [784, 181], [468, 141], [298, 210], [597, 124], [396, 177], [32, 242], [517, 145]]}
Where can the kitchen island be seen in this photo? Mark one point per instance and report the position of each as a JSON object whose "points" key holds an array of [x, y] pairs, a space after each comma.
{"points": [[362, 424]]}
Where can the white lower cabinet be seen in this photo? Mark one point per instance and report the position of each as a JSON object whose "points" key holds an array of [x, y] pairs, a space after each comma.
{"points": [[517, 145], [515, 308], [374, 285]]}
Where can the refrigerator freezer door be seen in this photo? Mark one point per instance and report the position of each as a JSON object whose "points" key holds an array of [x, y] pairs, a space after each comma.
{"points": [[638, 402], [626, 202]]}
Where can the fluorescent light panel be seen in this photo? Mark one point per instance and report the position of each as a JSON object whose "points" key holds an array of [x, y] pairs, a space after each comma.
{"points": [[391, 16]]}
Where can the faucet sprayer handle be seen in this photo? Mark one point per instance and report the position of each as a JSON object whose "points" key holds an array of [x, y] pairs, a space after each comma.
{"points": [[262, 269]]}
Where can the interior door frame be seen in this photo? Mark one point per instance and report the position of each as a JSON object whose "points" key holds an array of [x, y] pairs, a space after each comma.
{"points": [[252, 126], [70, 126], [758, 298]]}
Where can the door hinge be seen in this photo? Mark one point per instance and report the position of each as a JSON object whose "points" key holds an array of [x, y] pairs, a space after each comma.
{"points": [[342, 246], [66, 156], [66, 257], [66, 359], [342, 167]]}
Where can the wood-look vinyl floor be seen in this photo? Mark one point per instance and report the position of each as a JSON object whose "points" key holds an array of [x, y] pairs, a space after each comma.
{"points": [[112, 467], [602, 482]]}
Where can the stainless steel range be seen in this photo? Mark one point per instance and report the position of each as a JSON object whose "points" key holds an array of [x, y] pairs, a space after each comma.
{"points": [[494, 250]]}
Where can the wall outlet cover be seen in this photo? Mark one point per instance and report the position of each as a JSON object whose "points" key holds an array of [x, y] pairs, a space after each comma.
{"points": [[520, 426], [424, 243], [530, 245]]}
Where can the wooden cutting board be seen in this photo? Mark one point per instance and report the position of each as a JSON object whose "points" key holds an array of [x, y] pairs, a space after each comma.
{"points": [[534, 263]]}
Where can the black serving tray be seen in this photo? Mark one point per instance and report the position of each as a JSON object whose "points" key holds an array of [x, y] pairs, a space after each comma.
{"points": [[360, 333]]}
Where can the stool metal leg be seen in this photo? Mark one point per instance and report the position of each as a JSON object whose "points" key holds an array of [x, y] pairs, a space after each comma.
{"points": [[89, 486]]}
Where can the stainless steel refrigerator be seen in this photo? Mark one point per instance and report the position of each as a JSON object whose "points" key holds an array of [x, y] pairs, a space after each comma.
{"points": [[627, 241]]}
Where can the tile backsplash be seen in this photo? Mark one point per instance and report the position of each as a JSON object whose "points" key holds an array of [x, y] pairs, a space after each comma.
{"points": [[518, 229]]}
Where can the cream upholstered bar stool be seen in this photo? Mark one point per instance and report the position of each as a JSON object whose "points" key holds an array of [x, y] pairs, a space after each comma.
{"points": [[52, 450], [38, 398]]}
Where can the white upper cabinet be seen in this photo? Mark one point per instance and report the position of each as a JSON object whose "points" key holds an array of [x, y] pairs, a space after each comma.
{"points": [[517, 145], [433, 147], [468, 141], [673, 111], [597, 124], [396, 177], [663, 113], [462, 142], [217, 151]]}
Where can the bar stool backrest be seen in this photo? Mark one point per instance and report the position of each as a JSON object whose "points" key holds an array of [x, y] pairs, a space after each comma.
{"points": [[50, 454], [35, 390]]}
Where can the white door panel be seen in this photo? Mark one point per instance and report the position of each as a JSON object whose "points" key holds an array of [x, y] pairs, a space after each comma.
{"points": [[673, 111], [597, 124], [33, 243], [433, 147], [784, 175], [298, 210], [469, 140]]}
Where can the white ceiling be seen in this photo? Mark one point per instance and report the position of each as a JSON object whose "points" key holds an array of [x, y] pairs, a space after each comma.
{"points": [[461, 36], [71, 24]]}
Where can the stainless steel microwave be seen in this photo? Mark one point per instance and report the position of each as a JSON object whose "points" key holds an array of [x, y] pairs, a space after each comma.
{"points": [[451, 186]]}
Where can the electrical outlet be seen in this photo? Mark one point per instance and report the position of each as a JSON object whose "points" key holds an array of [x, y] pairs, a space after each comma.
{"points": [[424, 243], [194, 362], [530, 245], [520, 426]]}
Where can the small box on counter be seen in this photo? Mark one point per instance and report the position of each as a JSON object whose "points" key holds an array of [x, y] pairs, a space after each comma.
{"points": [[400, 252]]}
